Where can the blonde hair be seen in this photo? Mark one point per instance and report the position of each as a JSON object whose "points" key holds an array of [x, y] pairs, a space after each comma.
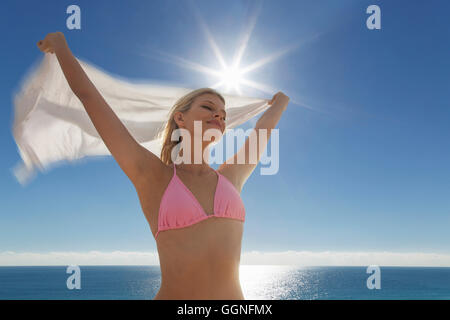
{"points": [[183, 104]]}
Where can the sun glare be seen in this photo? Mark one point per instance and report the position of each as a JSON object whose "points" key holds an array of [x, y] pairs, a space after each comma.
{"points": [[231, 78]]}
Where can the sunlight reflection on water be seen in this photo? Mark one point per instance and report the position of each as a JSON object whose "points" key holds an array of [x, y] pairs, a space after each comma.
{"points": [[274, 282]]}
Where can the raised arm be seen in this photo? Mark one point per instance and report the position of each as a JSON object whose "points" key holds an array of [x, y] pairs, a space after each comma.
{"points": [[240, 172], [132, 158]]}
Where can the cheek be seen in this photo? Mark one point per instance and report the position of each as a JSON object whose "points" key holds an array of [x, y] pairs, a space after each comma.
{"points": [[191, 123], [198, 115]]}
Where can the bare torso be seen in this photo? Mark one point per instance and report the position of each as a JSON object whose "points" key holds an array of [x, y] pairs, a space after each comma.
{"points": [[200, 261]]}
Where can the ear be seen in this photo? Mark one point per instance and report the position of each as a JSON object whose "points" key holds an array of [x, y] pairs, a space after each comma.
{"points": [[178, 117]]}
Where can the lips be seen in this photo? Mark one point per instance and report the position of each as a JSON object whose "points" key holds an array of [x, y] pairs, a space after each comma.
{"points": [[217, 123]]}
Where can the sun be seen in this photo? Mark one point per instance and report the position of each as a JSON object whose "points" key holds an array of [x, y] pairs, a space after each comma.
{"points": [[231, 78]]}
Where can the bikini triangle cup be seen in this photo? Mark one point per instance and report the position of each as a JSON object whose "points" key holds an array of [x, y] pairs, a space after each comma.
{"points": [[180, 209]]}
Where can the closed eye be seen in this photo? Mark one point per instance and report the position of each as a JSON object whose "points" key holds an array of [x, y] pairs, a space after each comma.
{"points": [[209, 108]]}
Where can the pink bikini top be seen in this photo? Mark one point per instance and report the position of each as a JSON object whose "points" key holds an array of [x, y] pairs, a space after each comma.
{"points": [[179, 208]]}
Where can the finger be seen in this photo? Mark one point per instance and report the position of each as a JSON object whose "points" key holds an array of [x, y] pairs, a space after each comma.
{"points": [[274, 97], [43, 47]]}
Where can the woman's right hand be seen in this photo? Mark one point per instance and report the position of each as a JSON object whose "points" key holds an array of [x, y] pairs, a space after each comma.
{"points": [[52, 42]]}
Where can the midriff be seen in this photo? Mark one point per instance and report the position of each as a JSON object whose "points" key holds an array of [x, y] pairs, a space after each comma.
{"points": [[201, 261]]}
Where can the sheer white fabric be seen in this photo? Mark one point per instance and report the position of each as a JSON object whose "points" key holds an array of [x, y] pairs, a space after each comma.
{"points": [[51, 125]]}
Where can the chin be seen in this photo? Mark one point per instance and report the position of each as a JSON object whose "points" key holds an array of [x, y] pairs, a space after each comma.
{"points": [[213, 126]]}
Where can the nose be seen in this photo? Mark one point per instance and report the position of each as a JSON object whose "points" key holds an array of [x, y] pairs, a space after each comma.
{"points": [[217, 116]]}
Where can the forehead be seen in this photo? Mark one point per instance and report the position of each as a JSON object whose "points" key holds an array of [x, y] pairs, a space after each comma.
{"points": [[211, 98]]}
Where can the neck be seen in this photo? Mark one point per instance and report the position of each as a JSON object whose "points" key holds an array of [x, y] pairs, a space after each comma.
{"points": [[194, 165]]}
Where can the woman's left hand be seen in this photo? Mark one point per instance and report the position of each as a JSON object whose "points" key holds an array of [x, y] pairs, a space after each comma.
{"points": [[279, 100]]}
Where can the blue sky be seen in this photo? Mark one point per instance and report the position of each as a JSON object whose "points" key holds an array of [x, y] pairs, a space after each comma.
{"points": [[364, 157]]}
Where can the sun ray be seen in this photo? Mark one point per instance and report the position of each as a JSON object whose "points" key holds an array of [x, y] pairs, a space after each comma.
{"points": [[232, 76], [268, 59], [246, 37], [187, 64], [259, 86], [208, 34], [217, 85], [278, 54]]}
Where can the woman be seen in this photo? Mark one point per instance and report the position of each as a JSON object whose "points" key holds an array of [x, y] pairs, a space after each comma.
{"points": [[195, 213]]}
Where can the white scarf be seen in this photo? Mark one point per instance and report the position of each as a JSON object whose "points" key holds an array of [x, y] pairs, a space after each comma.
{"points": [[51, 124]]}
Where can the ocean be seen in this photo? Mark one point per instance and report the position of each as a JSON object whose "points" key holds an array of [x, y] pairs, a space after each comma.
{"points": [[266, 282]]}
